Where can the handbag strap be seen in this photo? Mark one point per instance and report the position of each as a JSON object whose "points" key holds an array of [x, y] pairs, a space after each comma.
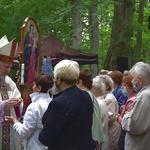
{"points": [[91, 95]]}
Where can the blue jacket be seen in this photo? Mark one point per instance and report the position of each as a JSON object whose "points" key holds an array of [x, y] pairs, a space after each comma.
{"points": [[119, 96]]}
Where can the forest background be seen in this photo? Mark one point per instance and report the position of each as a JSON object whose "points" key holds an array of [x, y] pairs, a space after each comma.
{"points": [[109, 28]]}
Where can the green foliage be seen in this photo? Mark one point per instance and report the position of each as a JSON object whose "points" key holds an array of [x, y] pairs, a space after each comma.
{"points": [[54, 17], [106, 14], [145, 32]]}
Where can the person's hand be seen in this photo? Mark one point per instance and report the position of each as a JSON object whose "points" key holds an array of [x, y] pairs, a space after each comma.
{"points": [[119, 118], [19, 101], [10, 120], [10, 103]]}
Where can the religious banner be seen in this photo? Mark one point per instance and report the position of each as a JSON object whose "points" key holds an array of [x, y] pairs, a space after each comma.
{"points": [[30, 46], [30, 60]]}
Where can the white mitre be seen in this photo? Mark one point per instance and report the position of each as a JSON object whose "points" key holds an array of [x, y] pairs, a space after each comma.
{"points": [[7, 49]]}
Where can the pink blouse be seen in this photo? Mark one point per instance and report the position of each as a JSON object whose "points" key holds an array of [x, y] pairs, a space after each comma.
{"points": [[128, 106]]}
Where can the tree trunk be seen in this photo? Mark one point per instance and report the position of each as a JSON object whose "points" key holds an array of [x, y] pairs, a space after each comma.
{"points": [[94, 31], [94, 26], [76, 24], [121, 33], [139, 32]]}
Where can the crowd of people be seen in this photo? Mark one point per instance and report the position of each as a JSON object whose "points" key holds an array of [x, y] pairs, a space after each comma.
{"points": [[108, 112]]}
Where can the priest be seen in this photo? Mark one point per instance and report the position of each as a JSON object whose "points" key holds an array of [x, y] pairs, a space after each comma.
{"points": [[11, 102]]}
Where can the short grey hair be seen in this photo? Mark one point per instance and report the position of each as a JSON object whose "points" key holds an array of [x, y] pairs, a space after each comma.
{"points": [[67, 69], [108, 81], [137, 63], [143, 70], [98, 83]]}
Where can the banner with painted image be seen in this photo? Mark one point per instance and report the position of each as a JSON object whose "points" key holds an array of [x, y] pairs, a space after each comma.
{"points": [[30, 46]]}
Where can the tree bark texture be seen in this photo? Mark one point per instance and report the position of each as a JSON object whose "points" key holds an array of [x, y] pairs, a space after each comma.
{"points": [[94, 26], [76, 23], [121, 33], [94, 32]]}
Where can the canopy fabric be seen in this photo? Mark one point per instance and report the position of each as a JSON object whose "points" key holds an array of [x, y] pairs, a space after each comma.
{"points": [[51, 46]]}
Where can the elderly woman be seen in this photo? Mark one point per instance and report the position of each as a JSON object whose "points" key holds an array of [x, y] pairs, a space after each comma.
{"points": [[98, 89], [114, 127], [67, 121], [117, 92], [127, 91], [85, 84]]}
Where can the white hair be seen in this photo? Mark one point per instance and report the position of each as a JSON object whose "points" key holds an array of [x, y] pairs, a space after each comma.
{"points": [[138, 63], [67, 69], [143, 70], [108, 81], [97, 82]]}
